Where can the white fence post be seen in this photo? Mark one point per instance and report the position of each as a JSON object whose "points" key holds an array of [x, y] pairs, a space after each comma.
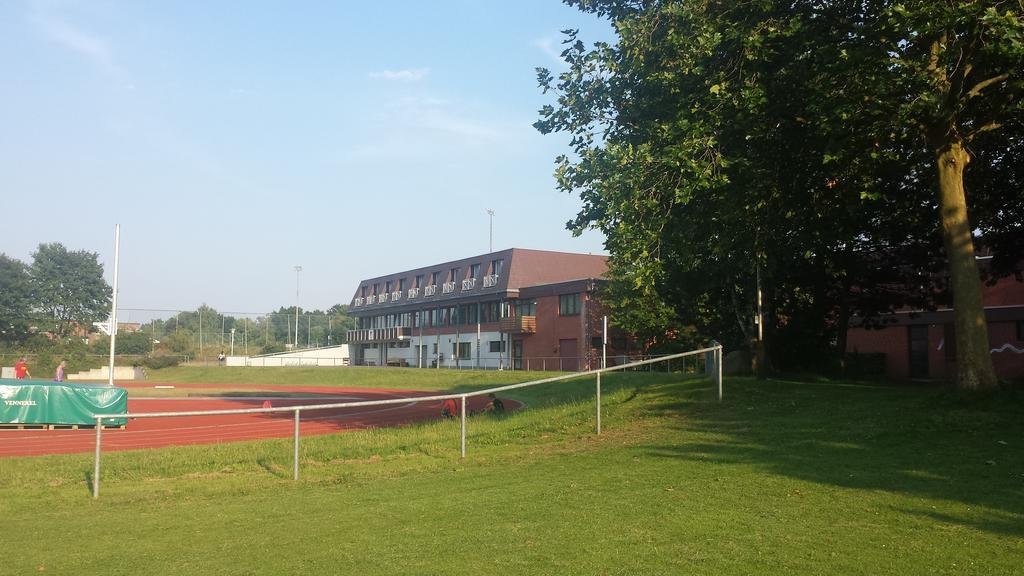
{"points": [[96, 464], [295, 471], [463, 434], [719, 363]]}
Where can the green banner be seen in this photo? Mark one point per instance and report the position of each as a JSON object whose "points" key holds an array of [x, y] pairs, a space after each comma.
{"points": [[42, 402]]}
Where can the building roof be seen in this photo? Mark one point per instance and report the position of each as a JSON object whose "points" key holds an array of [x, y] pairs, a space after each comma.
{"points": [[518, 268]]}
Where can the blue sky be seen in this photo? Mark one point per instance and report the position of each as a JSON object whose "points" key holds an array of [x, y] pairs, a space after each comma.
{"points": [[234, 140]]}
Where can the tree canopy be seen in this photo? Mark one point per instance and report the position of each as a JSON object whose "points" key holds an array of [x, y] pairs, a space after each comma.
{"points": [[68, 288], [718, 140]]}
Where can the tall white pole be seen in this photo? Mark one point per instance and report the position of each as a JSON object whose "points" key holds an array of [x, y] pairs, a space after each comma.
{"points": [[760, 310], [490, 236], [113, 305], [297, 270]]}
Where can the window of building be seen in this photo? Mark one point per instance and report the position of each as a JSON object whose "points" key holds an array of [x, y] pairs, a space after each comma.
{"points": [[419, 281], [490, 311], [596, 342], [387, 286], [569, 304], [526, 308], [433, 278], [401, 284], [461, 350], [497, 265], [497, 346], [364, 290], [470, 313], [474, 270]]}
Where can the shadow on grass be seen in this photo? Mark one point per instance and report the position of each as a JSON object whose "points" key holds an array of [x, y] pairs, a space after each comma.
{"points": [[916, 442]]}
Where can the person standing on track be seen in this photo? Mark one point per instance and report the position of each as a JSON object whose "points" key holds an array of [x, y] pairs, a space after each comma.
{"points": [[21, 369], [59, 375]]}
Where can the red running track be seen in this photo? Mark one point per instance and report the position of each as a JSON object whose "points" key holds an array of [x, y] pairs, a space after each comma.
{"points": [[185, 430]]}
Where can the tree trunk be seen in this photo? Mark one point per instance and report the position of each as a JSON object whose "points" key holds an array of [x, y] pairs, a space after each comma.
{"points": [[973, 358]]}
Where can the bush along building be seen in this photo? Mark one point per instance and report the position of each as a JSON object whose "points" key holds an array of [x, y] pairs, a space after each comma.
{"points": [[514, 309]]}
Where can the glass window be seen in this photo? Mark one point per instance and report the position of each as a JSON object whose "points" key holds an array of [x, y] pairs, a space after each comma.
{"points": [[489, 311], [474, 270], [469, 313], [526, 308], [419, 281], [497, 265], [461, 350], [454, 274], [497, 346], [569, 304]]}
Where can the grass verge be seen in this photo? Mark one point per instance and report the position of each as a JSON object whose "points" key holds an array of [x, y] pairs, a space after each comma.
{"points": [[781, 478]]}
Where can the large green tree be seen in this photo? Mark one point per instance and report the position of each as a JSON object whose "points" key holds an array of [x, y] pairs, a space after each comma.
{"points": [[68, 288], [15, 299], [716, 139], [955, 73]]}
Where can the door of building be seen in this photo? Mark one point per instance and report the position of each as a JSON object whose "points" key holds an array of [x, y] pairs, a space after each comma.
{"points": [[517, 354], [918, 347], [568, 353]]}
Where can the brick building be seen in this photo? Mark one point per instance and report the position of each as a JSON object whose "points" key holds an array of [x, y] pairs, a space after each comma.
{"points": [[513, 309], [922, 344]]}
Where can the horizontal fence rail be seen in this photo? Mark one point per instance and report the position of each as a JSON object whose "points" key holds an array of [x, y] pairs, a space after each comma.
{"points": [[716, 372]]}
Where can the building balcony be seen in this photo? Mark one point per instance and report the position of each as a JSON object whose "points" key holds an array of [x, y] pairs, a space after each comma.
{"points": [[448, 287], [413, 293], [490, 280], [430, 290], [469, 284], [379, 334], [519, 325]]}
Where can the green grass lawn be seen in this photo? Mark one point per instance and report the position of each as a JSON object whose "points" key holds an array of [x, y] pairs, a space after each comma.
{"points": [[781, 478], [355, 377]]}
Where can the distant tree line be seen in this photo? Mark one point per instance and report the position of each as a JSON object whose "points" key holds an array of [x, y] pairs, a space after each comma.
{"points": [[49, 307]]}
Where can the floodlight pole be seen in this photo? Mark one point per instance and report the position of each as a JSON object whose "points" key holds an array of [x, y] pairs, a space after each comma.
{"points": [[297, 270], [490, 244], [113, 305]]}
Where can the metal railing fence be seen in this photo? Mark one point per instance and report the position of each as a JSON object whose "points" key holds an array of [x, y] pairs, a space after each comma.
{"points": [[715, 371]]}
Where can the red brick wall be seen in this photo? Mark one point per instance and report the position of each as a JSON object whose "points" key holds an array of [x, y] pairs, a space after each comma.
{"points": [[1008, 362], [893, 342]]}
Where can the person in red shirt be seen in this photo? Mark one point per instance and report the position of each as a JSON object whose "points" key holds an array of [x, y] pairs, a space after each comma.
{"points": [[449, 407], [21, 369]]}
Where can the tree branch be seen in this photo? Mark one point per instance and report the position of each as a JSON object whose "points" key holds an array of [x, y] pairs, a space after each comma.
{"points": [[982, 129], [977, 88]]}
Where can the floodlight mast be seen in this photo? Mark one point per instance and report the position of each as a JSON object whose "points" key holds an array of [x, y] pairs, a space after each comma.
{"points": [[113, 304], [490, 244], [297, 270]]}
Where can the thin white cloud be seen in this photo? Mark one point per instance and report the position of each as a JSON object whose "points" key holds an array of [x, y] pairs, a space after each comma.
{"points": [[551, 47], [93, 48], [438, 115], [407, 75]]}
